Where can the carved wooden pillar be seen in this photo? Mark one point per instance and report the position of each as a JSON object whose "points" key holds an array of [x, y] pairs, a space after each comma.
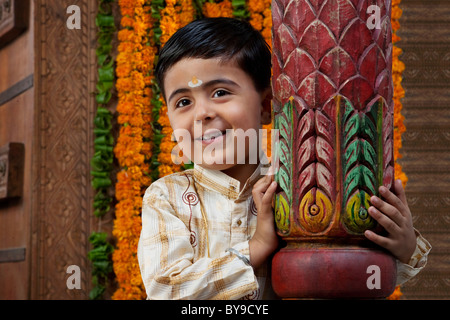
{"points": [[62, 214], [332, 83]]}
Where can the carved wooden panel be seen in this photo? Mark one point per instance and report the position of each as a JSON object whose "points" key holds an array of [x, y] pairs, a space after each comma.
{"points": [[12, 158], [425, 33], [65, 77], [13, 19]]}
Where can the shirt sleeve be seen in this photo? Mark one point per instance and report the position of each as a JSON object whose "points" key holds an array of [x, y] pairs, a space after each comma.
{"points": [[406, 271], [166, 258]]}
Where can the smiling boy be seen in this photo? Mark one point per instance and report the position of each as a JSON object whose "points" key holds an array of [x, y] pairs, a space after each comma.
{"points": [[224, 102], [208, 232]]}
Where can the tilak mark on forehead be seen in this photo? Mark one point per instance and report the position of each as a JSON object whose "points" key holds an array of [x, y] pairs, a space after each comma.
{"points": [[195, 82]]}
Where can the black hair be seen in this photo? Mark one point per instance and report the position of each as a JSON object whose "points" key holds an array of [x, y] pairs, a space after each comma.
{"points": [[224, 38]]}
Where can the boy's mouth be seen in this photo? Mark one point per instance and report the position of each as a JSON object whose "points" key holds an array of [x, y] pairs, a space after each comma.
{"points": [[212, 135]]}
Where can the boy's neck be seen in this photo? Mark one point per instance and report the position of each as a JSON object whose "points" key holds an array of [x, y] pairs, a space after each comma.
{"points": [[241, 172]]}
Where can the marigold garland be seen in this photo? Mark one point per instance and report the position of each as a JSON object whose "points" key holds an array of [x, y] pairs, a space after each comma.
{"points": [[399, 128], [212, 9], [133, 148], [145, 139], [397, 70], [174, 16], [260, 17]]}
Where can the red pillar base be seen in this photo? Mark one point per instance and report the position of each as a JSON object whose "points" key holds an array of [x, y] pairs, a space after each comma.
{"points": [[329, 273]]}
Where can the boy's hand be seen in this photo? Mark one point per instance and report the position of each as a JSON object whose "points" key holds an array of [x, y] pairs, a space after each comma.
{"points": [[265, 239], [394, 215]]}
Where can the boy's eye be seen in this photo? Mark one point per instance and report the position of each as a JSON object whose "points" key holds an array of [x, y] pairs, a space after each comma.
{"points": [[183, 103], [220, 93]]}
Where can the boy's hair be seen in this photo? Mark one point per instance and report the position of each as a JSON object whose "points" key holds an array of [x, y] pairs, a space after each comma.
{"points": [[224, 38]]}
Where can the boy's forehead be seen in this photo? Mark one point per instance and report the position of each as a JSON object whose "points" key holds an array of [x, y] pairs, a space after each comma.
{"points": [[197, 66], [194, 72]]}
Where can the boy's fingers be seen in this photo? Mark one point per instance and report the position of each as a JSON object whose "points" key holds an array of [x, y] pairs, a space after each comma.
{"points": [[389, 225], [400, 191], [264, 197], [377, 239], [263, 192], [392, 199], [262, 184], [267, 198], [387, 210]]}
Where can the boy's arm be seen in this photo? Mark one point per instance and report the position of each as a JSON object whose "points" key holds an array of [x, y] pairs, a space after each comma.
{"points": [[166, 258], [417, 262], [265, 239], [402, 240]]}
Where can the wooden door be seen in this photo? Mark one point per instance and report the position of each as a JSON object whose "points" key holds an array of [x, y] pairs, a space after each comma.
{"points": [[48, 75], [16, 125]]}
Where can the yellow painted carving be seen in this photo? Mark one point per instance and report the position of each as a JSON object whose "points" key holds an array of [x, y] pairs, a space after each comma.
{"points": [[316, 211], [357, 216], [282, 215]]}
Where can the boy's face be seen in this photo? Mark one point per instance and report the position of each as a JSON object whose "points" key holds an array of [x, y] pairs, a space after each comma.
{"points": [[208, 101]]}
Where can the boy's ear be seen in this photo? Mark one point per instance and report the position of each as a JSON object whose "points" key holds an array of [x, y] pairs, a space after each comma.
{"points": [[266, 110]]}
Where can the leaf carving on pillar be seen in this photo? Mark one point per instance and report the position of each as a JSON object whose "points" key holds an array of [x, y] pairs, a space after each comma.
{"points": [[361, 175], [316, 165], [283, 200]]}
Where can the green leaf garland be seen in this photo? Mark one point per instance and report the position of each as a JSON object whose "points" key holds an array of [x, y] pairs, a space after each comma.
{"points": [[102, 160]]}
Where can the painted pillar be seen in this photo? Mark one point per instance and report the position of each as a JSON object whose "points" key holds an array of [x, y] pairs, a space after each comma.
{"points": [[332, 84]]}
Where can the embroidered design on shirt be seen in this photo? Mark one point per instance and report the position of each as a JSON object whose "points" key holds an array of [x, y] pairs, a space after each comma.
{"points": [[195, 82], [253, 209], [191, 199], [254, 295]]}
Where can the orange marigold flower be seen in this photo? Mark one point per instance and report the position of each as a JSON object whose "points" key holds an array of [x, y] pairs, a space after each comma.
{"points": [[126, 21], [395, 25], [165, 170], [123, 70], [256, 21], [267, 33], [125, 35], [125, 47], [256, 5], [396, 13], [215, 10], [165, 158], [124, 84], [127, 12], [396, 295], [267, 18]]}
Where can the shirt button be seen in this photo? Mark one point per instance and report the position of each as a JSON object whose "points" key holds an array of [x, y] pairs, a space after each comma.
{"points": [[239, 222]]}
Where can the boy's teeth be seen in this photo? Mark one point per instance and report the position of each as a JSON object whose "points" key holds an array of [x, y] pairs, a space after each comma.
{"points": [[212, 137]]}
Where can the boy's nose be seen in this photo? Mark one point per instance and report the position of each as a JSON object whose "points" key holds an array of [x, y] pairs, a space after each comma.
{"points": [[204, 113]]}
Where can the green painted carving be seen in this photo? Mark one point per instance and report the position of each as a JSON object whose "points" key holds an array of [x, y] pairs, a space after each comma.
{"points": [[283, 200], [362, 159]]}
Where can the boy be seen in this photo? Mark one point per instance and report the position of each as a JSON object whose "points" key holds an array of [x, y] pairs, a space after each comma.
{"points": [[208, 232]]}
